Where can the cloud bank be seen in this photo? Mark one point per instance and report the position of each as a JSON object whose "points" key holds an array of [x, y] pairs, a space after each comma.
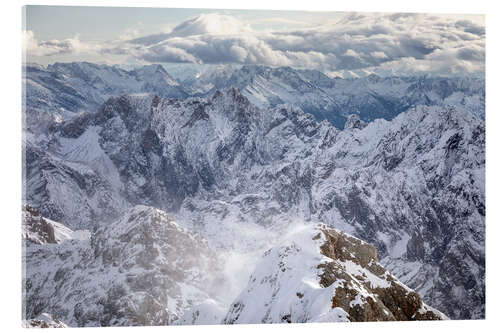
{"points": [[391, 43]]}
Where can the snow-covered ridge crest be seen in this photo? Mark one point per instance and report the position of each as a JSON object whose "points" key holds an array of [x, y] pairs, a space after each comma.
{"points": [[319, 274]]}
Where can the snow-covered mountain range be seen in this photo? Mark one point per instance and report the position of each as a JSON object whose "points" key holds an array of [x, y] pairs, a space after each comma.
{"points": [[334, 99], [66, 88], [242, 171]]}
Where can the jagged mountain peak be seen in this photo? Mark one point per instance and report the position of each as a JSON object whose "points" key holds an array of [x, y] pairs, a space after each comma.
{"points": [[321, 274], [150, 238], [155, 75], [153, 68], [370, 97], [70, 88], [144, 269]]}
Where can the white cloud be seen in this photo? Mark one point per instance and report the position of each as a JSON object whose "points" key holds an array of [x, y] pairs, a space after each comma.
{"points": [[405, 42], [351, 53], [239, 53], [34, 47], [213, 24], [378, 55]]}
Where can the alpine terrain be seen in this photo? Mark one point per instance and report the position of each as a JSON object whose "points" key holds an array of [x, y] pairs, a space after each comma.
{"points": [[250, 194]]}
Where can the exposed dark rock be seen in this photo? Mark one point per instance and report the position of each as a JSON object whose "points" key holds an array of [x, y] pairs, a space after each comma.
{"points": [[353, 122]]}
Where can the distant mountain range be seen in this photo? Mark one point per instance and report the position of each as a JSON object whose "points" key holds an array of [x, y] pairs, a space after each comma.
{"points": [[74, 87], [69, 88]]}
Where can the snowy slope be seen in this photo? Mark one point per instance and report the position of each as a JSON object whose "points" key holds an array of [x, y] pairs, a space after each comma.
{"points": [[318, 274], [208, 312]]}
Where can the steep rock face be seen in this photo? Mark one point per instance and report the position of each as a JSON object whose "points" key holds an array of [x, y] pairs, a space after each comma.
{"points": [[142, 269], [423, 176], [71, 180], [144, 149], [413, 187], [322, 274], [39, 230], [35, 228]]}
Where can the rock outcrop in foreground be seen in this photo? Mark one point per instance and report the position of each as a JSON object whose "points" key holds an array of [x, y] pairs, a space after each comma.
{"points": [[143, 269], [45, 320], [140, 270], [319, 274]]}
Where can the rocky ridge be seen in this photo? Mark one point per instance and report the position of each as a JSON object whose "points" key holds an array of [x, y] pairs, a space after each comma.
{"points": [[319, 274]]}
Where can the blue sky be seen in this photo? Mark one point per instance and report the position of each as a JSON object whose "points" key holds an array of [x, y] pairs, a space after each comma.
{"points": [[329, 41], [104, 23]]}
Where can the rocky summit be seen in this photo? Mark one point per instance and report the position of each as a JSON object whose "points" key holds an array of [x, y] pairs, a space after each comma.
{"points": [[319, 274]]}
